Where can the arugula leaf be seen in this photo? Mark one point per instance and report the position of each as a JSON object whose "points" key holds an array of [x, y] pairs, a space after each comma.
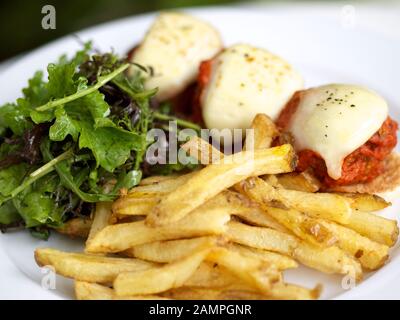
{"points": [[36, 93], [61, 79], [11, 178], [36, 204], [67, 179], [127, 180], [63, 126], [111, 146], [15, 117]]}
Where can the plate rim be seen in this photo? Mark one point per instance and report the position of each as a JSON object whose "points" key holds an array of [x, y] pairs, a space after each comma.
{"points": [[367, 285]]}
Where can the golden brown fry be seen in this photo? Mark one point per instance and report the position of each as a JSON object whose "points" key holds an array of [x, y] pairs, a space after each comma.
{"points": [[76, 228], [101, 219], [249, 211], [251, 270], [238, 204], [202, 151], [233, 169], [158, 279], [366, 202], [286, 291], [264, 131], [94, 291], [86, 267], [134, 206], [306, 228], [282, 262], [164, 186], [156, 179], [280, 291], [141, 199], [325, 259], [209, 219], [261, 238], [372, 255], [318, 205], [377, 228], [211, 275], [169, 251], [300, 181]]}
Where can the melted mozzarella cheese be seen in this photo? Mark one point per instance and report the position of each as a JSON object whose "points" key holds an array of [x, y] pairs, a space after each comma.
{"points": [[334, 120], [173, 49], [245, 81]]}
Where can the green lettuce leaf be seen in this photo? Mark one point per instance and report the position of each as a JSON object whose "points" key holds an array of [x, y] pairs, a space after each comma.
{"points": [[9, 214], [11, 177]]}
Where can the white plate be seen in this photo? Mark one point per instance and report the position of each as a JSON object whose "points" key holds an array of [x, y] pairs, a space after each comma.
{"points": [[317, 44]]}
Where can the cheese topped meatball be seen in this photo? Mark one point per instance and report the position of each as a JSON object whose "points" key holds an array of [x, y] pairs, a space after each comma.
{"points": [[241, 82], [172, 51], [342, 132]]}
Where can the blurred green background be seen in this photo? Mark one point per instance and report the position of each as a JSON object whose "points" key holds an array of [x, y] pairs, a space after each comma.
{"points": [[20, 20]]}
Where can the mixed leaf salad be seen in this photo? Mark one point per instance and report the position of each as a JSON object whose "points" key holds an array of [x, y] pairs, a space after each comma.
{"points": [[76, 139]]}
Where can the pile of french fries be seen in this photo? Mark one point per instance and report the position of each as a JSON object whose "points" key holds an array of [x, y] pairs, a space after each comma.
{"points": [[227, 231]]}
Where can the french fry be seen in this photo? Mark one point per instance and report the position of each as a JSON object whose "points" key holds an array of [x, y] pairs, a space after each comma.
{"points": [[101, 219], [201, 150], [253, 271], [264, 131], [76, 228], [281, 262], [142, 199], [372, 255], [285, 291], [377, 228], [321, 205], [169, 251], [94, 291], [235, 168], [160, 279], [156, 179], [366, 202], [86, 267], [305, 227], [211, 275], [209, 219], [258, 218], [278, 292], [325, 259], [131, 206], [163, 186], [303, 181], [330, 260], [249, 211], [318, 205], [239, 205], [261, 238]]}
